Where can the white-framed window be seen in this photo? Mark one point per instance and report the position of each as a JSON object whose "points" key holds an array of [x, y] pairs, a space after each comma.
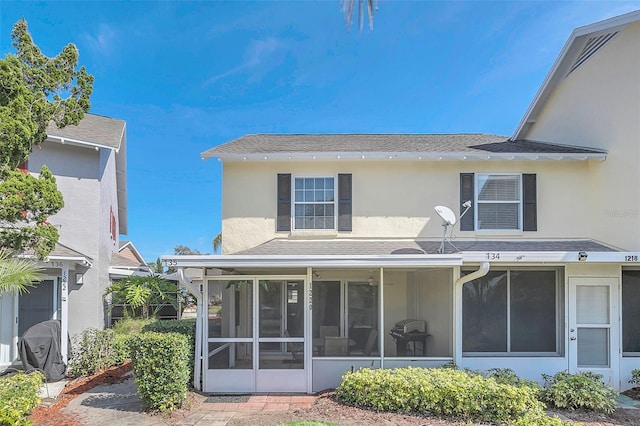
{"points": [[314, 203], [514, 312], [498, 201]]}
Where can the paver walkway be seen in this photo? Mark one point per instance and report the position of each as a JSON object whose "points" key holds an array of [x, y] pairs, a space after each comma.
{"points": [[119, 404]]}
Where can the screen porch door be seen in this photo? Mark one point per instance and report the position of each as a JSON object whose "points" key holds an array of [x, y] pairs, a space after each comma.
{"points": [[594, 327]]}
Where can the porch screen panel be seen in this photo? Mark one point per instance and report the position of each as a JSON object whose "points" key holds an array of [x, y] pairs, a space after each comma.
{"points": [[631, 312], [533, 311], [326, 313], [229, 319], [484, 314]]}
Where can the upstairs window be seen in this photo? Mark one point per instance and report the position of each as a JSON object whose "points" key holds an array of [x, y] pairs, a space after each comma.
{"points": [[314, 203], [499, 202]]}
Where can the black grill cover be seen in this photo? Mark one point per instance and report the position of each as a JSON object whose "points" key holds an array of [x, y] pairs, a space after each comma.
{"points": [[39, 349]]}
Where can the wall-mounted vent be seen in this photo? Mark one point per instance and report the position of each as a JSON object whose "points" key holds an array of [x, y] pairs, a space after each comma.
{"points": [[593, 45]]}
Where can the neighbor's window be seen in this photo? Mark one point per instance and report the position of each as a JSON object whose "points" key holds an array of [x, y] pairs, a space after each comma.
{"points": [[513, 311], [314, 203], [499, 201], [630, 312]]}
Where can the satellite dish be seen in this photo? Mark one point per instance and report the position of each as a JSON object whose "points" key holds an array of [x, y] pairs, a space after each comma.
{"points": [[449, 219], [447, 215]]}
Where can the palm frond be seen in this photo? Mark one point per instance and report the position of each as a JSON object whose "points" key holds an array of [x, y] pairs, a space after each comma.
{"points": [[348, 6], [17, 275]]}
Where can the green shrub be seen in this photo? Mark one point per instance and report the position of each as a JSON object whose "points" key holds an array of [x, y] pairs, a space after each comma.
{"points": [[130, 326], [18, 396], [447, 392], [507, 376], [186, 327], [582, 390], [635, 377], [93, 350], [160, 364]]}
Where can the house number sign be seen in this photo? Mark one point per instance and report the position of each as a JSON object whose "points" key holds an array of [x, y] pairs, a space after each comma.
{"points": [[310, 299]]}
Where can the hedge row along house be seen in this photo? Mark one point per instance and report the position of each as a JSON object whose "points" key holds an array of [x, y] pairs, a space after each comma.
{"points": [[333, 256], [89, 164]]}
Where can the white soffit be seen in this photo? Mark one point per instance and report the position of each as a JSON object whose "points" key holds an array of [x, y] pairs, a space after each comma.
{"points": [[235, 261], [619, 257]]}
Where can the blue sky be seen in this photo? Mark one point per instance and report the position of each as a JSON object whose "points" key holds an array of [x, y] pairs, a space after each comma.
{"points": [[187, 76]]}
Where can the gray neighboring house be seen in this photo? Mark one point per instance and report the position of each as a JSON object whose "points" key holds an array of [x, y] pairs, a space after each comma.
{"points": [[89, 163]]}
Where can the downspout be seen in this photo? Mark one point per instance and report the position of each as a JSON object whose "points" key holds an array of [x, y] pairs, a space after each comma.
{"points": [[481, 272], [195, 291]]}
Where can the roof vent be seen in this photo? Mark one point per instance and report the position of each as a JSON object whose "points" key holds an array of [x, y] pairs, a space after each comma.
{"points": [[593, 45]]}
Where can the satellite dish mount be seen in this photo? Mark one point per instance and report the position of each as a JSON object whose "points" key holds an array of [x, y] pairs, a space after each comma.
{"points": [[449, 219]]}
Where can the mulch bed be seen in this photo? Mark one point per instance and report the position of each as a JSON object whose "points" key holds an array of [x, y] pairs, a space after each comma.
{"points": [[52, 415]]}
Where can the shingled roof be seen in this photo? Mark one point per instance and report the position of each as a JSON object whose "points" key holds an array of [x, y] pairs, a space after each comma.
{"points": [[92, 130], [472, 143], [344, 247]]}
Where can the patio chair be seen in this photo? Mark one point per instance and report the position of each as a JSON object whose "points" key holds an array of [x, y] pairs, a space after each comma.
{"points": [[336, 346], [329, 330]]}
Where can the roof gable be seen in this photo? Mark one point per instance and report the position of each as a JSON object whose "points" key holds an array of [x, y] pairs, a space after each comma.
{"points": [[93, 130], [583, 43]]}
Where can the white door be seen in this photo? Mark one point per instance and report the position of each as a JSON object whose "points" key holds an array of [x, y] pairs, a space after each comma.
{"points": [[280, 344], [593, 327], [255, 329]]}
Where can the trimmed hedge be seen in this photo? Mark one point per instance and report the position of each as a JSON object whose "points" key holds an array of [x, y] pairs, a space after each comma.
{"points": [[445, 392], [18, 397], [94, 350], [161, 366], [582, 390], [186, 327]]}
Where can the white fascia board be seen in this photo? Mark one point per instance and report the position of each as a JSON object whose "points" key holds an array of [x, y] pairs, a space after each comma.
{"points": [[236, 261], [78, 142], [409, 156], [620, 257], [567, 55], [118, 272], [82, 261]]}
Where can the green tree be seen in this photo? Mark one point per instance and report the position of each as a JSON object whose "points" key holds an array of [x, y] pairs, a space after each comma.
{"points": [[184, 250], [144, 295], [217, 243], [16, 275], [35, 90], [157, 267]]}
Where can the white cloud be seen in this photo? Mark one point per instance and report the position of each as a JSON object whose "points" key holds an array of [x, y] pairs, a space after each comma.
{"points": [[258, 55], [102, 44]]}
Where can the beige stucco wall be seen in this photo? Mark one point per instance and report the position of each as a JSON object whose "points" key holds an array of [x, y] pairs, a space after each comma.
{"points": [[598, 105], [395, 199]]}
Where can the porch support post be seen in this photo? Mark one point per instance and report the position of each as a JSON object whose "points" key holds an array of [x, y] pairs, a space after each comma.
{"points": [[64, 311], [381, 325], [197, 293], [308, 330]]}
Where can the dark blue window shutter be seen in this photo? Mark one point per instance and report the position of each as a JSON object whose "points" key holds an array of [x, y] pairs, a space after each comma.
{"points": [[466, 194], [530, 208], [344, 202], [283, 221]]}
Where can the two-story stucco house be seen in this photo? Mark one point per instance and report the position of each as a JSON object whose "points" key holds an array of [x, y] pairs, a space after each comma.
{"points": [[89, 164], [334, 257]]}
